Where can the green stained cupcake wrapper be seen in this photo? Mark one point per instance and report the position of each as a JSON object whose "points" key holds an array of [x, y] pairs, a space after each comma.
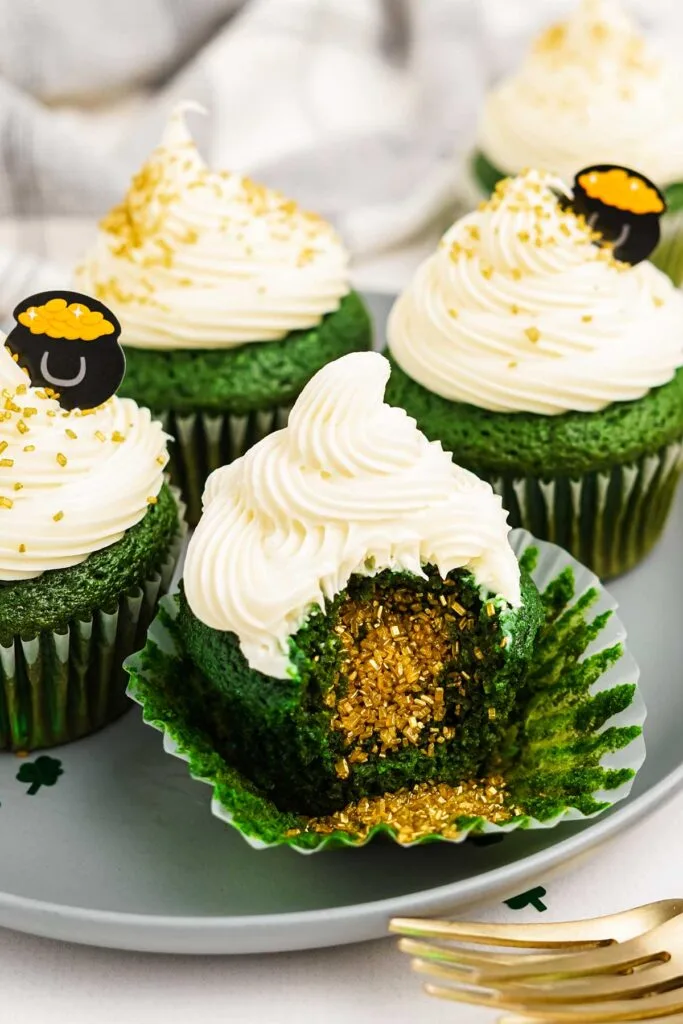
{"points": [[668, 255], [581, 722], [204, 441], [59, 686], [609, 520]]}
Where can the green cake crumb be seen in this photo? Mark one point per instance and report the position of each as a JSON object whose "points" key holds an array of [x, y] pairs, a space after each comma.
{"points": [[540, 777], [399, 680]]}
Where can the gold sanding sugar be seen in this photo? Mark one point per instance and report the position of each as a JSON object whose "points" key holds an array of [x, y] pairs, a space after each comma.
{"points": [[394, 652], [426, 809]]}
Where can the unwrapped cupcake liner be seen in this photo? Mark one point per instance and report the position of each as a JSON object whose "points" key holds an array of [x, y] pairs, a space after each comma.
{"points": [[609, 520], [668, 255], [60, 686], [205, 441], [581, 721]]}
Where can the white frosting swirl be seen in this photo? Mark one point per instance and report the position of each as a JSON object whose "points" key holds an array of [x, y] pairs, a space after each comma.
{"points": [[590, 91], [518, 311], [195, 258], [70, 482], [349, 486]]}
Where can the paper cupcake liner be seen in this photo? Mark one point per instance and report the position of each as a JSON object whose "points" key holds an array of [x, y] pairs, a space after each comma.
{"points": [[579, 725], [610, 520], [668, 255], [59, 686], [204, 441]]}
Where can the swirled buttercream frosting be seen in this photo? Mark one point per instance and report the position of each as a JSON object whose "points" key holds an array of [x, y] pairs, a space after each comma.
{"points": [[349, 486], [196, 258], [70, 482], [519, 310], [591, 90]]}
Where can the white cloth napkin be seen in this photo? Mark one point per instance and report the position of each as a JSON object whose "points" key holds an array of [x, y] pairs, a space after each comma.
{"points": [[358, 109]]}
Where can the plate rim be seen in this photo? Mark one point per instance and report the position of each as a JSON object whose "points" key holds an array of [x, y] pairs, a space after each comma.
{"points": [[294, 930], [56, 921]]}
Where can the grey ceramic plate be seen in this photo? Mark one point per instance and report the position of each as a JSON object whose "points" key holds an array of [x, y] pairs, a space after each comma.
{"points": [[121, 850]]}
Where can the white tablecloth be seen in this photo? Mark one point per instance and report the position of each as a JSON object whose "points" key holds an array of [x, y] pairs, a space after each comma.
{"points": [[45, 982]]}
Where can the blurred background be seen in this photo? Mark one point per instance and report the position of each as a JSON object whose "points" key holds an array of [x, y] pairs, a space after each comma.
{"points": [[360, 109]]}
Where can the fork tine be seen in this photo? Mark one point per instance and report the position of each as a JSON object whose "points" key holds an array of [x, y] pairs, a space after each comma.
{"points": [[609, 960], [662, 974], [516, 1018], [568, 935], [467, 960], [653, 1008], [597, 931]]}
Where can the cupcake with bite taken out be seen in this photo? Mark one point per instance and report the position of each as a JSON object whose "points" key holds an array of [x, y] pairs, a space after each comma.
{"points": [[550, 364], [89, 532], [359, 645], [591, 90], [230, 298]]}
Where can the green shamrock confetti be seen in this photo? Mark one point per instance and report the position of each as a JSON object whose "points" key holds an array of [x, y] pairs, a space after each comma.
{"points": [[44, 771], [530, 898]]}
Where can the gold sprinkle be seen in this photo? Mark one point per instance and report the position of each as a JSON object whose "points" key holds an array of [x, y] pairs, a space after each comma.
{"points": [[523, 236], [21, 427], [117, 437], [657, 301], [30, 411], [22, 549], [29, 447], [3, 446], [71, 433], [454, 313], [5, 502], [18, 487], [533, 334], [426, 809], [512, 365], [61, 459], [389, 690], [586, 318], [161, 459], [342, 768], [152, 500], [57, 516], [100, 436], [22, 389], [6, 462]]}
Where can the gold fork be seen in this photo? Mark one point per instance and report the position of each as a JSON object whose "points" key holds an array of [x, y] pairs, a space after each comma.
{"points": [[614, 963]]}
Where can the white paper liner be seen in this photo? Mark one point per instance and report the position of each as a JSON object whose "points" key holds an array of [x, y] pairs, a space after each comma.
{"points": [[104, 639], [551, 562], [608, 520], [206, 441]]}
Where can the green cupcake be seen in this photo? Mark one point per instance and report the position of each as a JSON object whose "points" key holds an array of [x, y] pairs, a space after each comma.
{"points": [[356, 647], [385, 648], [89, 541], [231, 298], [592, 89], [551, 369]]}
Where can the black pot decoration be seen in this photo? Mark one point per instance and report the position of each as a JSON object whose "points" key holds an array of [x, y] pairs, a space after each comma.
{"points": [[68, 342], [623, 206]]}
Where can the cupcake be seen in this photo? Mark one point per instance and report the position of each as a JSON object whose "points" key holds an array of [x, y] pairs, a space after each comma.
{"points": [[591, 90], [90, 532], [551, 368], [230, 298], [357, 648]]}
